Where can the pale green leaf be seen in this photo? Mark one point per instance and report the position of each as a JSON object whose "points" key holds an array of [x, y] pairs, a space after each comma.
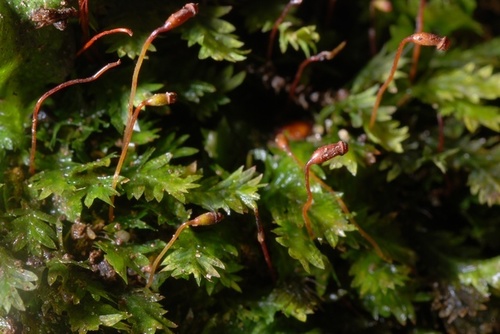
{"points": [[214, 35], [481, 274], [304, 38]]}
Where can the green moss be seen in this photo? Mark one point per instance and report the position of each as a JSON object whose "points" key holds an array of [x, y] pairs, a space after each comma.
{"points": [[405, 223]]}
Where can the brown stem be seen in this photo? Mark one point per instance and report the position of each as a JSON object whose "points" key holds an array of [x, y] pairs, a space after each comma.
{"points": [[322, 154], [104, 33], [361, 231], [280, 19], [419, 26], [174, 20], [322, 56], [129, 129], [155, 100], [38, 104], [261, 237], [207, 218], [422, 38], [282, 142], [308, 203], [83, 6]]}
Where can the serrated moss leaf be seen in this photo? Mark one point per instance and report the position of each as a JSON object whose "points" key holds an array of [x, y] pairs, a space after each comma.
{"points": [[388, 134], [293, 300], [13, 278], [372, 275], [101, 190], [473, 115], [147, 313], [461, 92], [469, 83], [298, 246], [481, 274], [32, 229], [304, 38], [382, 286], [52, 182], [214, 36], [237, 192], [91, 315], [202, 256], [57, 269], [72, 184], [198, 89], [156, 177], [123, 257], [395, 302], [484, 177], [285, 198]]}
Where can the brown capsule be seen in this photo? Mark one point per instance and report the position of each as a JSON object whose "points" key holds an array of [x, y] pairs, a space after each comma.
{"points": [[428, 39], [322, 154], [207, 218], [182, 15], [327, 152], [420, 38]]}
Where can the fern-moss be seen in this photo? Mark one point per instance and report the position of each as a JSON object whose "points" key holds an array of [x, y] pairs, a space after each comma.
{"points": [[423, 183]]}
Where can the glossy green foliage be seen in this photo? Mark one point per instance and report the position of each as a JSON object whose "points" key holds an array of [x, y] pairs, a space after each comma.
{"points": [[405, 223], [204, 258], [12, 279], [69, 185], [383, 288], [328, 220], [156, 177], [147, 315]]}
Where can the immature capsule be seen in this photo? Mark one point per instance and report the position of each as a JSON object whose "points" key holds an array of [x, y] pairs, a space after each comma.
{"points": [[208, 218], [158, 100]]}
